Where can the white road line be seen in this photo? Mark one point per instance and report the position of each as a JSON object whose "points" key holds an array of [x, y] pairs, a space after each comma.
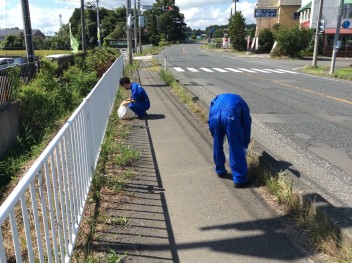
{"points": [[247, 70], [206, 69], [219, 69], [178, 69], [234, 70], [292, 72], [260, 70], [193, 69], [276, 71]]}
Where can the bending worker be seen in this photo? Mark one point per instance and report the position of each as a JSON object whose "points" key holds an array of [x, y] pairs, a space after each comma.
{"points": [[229, 115], [139, 102]]}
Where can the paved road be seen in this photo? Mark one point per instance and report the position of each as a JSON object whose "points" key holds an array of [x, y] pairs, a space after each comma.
{"points": [[302, 121], [181, 211]]}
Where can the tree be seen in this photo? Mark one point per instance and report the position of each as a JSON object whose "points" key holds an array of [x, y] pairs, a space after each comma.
{"points": [[292, 41], [61, 40], [237, 31], [118, 32], [114, 25], [110, 20], [266, 40], [250, 30], [167, 25], [13, 42]]}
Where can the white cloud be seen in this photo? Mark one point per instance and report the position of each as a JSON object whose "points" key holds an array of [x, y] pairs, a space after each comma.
{"points": [[201, 15], [198, 13]]}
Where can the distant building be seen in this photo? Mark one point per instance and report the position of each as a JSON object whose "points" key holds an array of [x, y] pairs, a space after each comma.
{"points": [[271, 12], [6, 32], [309, 12]]}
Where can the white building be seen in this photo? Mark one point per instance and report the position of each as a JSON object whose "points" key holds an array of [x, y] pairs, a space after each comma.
{"points": [[309, 14]]}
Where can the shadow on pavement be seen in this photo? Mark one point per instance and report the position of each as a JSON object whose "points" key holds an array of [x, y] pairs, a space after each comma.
{"points": [[147, 236]]}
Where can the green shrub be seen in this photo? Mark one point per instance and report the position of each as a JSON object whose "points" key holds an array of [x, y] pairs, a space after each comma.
{"points": [[99, 60], [39, 108], [78, 84], [266, 41], [291, 41], [46, 77]]}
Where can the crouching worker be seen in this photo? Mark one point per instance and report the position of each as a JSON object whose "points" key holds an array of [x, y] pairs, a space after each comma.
{"points": [[229, 115], [139, 101]]}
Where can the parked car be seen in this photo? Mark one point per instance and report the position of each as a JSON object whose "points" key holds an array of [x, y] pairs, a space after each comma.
{"points": [[5, 62]]}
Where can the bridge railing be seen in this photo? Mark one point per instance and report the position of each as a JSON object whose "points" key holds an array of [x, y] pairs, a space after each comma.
{"points": [[40, 219]]}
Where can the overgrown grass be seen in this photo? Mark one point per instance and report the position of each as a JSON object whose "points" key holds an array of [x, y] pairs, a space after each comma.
{"points": [[183, 95], [341, 73], [322, 234], [151, 50], [45, 103], [37, 53], [111, 176]]}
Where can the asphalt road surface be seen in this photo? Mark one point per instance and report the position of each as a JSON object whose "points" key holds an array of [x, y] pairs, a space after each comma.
{"points": [[303, 121]]}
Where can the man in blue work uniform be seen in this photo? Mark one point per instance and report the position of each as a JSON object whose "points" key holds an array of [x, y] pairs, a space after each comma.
{"points": [[229, 115], [139, 102]]}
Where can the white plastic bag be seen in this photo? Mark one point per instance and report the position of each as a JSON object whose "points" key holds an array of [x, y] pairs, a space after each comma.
{"points": [[122, 110]]}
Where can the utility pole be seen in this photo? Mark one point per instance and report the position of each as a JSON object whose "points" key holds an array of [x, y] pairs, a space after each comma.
{"points": [[129, 22], [84, 48], [135, 26], [336, 38], [139, 27], [27, 31], [98, 25], [316, 40]]}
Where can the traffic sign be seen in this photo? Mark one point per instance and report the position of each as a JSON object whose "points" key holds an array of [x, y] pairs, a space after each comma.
{"points": [[346, 24]]}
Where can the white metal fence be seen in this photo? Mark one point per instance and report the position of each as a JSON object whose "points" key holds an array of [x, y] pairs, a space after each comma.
{"points": [[40, 219]]}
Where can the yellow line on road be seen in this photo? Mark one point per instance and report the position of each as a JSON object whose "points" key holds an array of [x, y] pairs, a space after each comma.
{"points": [[310, 91]]}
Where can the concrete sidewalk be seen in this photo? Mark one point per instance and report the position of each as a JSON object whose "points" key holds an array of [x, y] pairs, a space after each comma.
{"points": [[180, 210]]}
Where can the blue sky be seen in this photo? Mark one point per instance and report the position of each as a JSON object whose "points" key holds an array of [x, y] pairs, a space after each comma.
{"points": [[45, 14]]}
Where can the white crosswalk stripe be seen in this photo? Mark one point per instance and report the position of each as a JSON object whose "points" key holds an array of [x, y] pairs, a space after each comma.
{"points": [[233, 70], [237, 70], [219, 69], [275, 71], [178, 69], [247, 70], [260, 70], [287, 71], [207, 70]]}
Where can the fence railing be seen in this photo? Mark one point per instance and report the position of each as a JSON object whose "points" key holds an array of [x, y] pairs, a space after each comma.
{"points": [[40, 219], [26, 73]]}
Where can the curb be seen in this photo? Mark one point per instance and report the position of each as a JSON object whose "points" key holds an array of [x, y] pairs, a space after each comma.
{"points": [[339, 218]]}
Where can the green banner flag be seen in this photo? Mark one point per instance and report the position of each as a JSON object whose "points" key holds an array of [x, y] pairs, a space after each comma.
{"points": [[73, 41]]}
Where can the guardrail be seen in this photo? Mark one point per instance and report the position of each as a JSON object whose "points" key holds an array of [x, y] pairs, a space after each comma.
{"points": [[40, 219]]}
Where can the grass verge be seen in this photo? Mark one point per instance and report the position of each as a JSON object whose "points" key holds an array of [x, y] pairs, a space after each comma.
{"points": [[342, 73], [183, 95], [108, 187], [322, 234]]}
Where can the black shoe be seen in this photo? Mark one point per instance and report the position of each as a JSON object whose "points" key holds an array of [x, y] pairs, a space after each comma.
{"points": [[222, 175], [143, 117], [241, 185]]}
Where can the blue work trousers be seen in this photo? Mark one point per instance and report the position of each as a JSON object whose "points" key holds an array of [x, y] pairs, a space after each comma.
{"points": [[139, 108], [223, 123]]}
